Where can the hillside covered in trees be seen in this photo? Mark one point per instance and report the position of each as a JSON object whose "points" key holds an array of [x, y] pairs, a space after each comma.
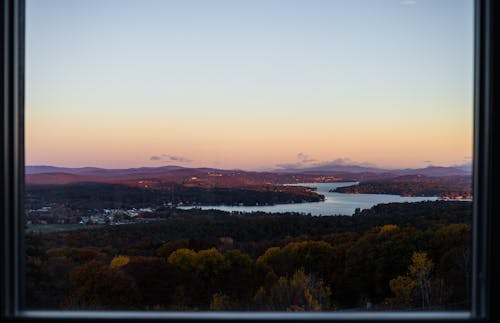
{"points": [[105, 195], [394, 256], [448, 187]]}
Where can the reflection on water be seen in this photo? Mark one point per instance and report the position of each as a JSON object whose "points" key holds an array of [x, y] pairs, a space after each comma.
{"points": [[334, 204]]}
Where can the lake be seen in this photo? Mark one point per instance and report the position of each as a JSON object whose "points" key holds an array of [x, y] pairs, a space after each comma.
{"points": [[334, 204]]}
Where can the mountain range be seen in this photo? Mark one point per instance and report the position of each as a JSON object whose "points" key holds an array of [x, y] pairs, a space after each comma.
{"points": [[158, 177], [331, 169], [336, 168]]}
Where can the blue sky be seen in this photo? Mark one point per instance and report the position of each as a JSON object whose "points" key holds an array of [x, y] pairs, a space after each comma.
{"points": [[249, 83]]}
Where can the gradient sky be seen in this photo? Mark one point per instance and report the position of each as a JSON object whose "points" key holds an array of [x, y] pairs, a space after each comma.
{"points": [[248, 84]]}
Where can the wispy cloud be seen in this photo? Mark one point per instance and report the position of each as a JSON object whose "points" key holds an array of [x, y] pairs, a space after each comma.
{"points": [[408, 2], [338, 162], [179, 159], [289, 165], [171, 158], [345, 162], [304, 158], [467, 166]]}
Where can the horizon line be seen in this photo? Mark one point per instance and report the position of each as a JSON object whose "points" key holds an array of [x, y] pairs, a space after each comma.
{"points": [[257, 170]]}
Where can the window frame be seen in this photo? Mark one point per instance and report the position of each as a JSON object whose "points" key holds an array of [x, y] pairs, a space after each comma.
{"points": [[485, 243]]}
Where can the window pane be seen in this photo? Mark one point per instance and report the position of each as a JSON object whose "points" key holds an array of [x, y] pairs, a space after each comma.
{"points": [[281, 155]]}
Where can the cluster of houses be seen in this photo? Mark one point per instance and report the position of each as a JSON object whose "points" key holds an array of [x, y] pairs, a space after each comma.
{"points": [[59, 214], [51, 214], [116, 216]]}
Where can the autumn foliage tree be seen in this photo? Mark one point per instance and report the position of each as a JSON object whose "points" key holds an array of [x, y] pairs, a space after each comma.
{"points": [[403, 288], [420, 271], [300, 292], [417, 281], [99, 286]]}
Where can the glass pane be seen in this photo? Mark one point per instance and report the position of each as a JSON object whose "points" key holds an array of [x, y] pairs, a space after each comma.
{"points": [[280, 155]]}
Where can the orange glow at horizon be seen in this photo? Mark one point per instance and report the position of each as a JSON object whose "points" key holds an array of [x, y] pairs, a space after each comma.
{"points": [[248, 144]]}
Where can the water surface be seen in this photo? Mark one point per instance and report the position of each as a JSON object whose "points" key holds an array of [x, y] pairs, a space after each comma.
{"points": [[334, 204]]}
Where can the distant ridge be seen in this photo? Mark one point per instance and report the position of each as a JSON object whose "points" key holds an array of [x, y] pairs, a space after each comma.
{"points": [[318, 170], [356, 169], [40, 169], [434, 171], [333, 168]]}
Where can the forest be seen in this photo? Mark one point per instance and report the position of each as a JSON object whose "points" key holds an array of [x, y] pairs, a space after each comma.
{"points": [[397, 256], [452, 187], [105, 195]]}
